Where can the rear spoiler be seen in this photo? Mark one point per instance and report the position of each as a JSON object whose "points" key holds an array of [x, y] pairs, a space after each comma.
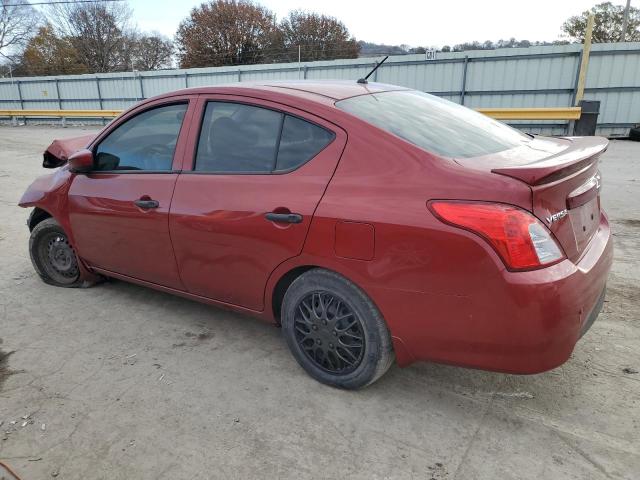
{"points": [[581, 154], [59, 151]]}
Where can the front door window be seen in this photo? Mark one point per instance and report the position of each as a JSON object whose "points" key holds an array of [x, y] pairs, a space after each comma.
{"points": [[145, 142]]}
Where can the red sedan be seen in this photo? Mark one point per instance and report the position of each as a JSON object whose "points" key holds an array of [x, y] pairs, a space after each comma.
{"points": [[369, 221]]}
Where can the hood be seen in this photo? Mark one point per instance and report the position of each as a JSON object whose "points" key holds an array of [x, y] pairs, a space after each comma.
{"points": [[60, 150]]}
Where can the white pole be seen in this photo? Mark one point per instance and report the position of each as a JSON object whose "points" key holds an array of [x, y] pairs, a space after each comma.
{"points": [[625, 21]]}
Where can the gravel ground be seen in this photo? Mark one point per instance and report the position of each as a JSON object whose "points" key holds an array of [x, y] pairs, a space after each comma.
{"points": [[122, 382]]}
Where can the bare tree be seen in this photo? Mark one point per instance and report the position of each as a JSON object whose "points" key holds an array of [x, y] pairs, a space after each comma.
{"points": [[98, 32], [152, 52], [18, 22], [226, 32]]}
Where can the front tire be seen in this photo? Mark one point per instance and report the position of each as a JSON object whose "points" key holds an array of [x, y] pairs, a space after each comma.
{"points": [[334, 330], [53, 256]]}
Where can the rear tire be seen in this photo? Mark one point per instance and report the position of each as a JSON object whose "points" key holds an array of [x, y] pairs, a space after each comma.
{"points": [[334, 330], [53, 256]]}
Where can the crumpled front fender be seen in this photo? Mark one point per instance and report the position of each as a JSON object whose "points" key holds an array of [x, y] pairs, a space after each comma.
{"points": [[45, 189], [49, 193]]}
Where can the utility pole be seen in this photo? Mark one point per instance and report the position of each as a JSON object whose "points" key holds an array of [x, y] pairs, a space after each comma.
{"points": [[625, 21], [584, 64]]}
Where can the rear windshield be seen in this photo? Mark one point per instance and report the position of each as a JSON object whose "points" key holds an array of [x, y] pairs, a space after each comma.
{"points": [[436, 125]]}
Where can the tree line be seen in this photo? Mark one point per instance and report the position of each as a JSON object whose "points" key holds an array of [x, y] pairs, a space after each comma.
{"points": [[82, 37], [608, 26], [99, 37]]}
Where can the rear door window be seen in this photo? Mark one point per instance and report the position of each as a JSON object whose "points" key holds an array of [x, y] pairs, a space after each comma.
{"points": [[240, 138]]}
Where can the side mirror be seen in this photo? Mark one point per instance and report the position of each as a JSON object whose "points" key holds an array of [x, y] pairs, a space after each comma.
{"points": [[81, 161]]}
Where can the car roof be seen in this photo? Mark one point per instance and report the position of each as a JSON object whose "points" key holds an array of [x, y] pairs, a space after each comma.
{"points": [[334, 89], [321, 91]]}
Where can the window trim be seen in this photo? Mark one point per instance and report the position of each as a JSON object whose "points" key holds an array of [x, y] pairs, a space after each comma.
{"points": [[171, 170], [284, 113]]}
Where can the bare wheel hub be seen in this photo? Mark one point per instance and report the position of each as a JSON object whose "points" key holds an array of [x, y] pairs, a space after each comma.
{"points": [[61, 256]]}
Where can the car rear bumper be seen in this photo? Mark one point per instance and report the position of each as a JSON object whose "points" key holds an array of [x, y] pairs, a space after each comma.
{"points": [[594, 313], [525, 322]]}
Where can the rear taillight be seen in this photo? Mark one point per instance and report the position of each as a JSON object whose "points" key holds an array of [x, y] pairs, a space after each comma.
{"points": [[522, 241]]}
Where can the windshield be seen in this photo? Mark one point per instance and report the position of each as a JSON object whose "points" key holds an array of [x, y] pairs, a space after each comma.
{"points": [[436, 125]]}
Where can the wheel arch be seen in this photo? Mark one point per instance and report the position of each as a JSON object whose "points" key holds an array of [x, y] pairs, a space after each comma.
{"points": [[286, 273], [281, 286], [37, 215]]}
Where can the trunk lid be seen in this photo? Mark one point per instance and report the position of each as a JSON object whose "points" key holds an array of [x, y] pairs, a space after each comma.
{"points": [[563, 176]]}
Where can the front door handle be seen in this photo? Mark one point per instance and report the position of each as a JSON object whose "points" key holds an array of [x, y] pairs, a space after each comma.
{"points": [[147, 203], [284, 217]]}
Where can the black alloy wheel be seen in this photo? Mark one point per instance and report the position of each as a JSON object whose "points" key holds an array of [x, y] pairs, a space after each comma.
{"points": [[334, 331], [329, 332]]}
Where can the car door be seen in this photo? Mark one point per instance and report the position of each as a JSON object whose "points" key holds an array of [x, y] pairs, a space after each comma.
{"points": [[119, 211], [245, 202]]}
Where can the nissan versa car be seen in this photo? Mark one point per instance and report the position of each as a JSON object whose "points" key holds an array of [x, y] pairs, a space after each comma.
{"points": [[371, 222]]}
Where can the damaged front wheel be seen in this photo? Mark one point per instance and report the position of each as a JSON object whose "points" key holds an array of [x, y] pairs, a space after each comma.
{"points": [[53, 257]]}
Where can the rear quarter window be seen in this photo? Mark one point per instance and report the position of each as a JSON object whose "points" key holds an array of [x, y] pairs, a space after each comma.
{"points": [[434, 124], [300, 142]]}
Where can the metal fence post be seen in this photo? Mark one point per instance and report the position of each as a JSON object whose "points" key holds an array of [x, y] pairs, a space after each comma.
{"points": [[239, 75], [304, 73], [58, 95], [577, 79], [141, 86], [99, 92], [463, 88], [20, 95], [186, 80]]}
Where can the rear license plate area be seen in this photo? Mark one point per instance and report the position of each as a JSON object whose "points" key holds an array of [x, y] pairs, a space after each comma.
{"points": [[584, 221]]}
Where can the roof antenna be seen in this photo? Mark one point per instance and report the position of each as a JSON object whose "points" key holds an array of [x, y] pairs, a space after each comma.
{"points": [[364, 80]]}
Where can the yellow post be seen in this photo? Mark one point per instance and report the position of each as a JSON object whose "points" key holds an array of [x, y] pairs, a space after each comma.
{"points": [[584, 64]]}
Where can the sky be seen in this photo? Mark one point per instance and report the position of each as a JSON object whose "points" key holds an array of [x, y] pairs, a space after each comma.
{"points": [[411, 22]]}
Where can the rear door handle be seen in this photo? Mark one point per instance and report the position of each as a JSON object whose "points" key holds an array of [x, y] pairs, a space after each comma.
{"points": [[284, 217], [147, 203]]}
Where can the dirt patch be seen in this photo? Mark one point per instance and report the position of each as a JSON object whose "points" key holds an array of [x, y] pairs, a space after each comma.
{"points": [[624, 293], [199, 336], [629, 222], [4, 366]]}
